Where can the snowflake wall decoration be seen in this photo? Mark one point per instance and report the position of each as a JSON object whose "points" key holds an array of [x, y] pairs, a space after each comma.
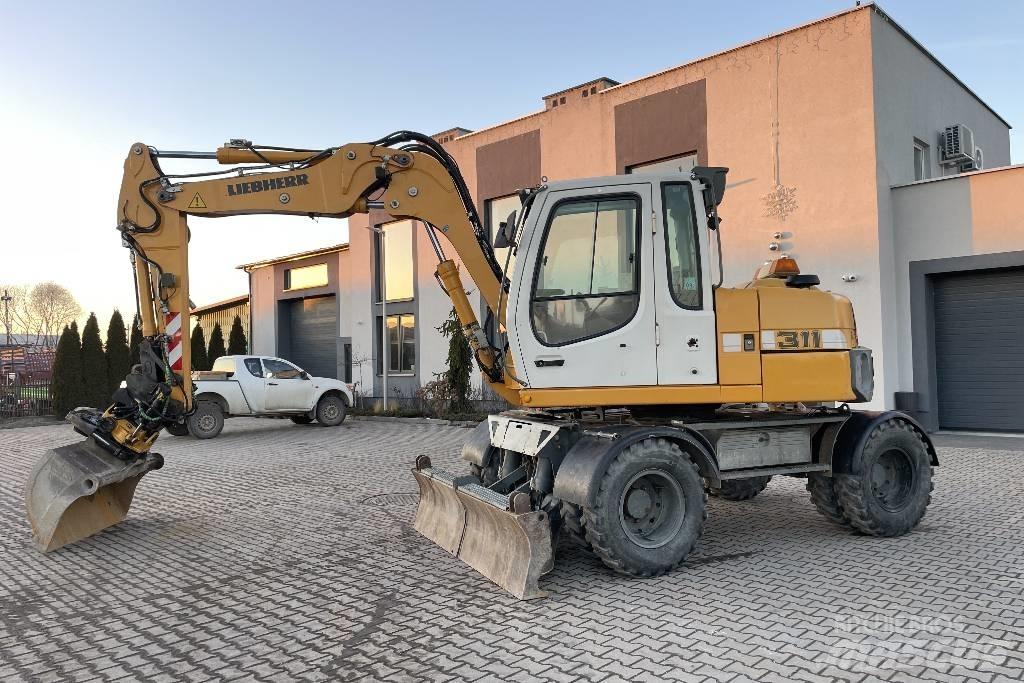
{"points": [[780, 203]]}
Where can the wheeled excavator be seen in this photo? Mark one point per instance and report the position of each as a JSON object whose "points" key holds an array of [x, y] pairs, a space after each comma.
{"points": [[638, 384]]}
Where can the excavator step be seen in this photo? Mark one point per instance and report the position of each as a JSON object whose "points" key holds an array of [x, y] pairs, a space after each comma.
{"points": [[481, 527]]}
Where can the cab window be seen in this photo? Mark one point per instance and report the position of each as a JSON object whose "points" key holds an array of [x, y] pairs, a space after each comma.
{"points": [[253, 366], [587, 281], [682, 245], [278, 369]]}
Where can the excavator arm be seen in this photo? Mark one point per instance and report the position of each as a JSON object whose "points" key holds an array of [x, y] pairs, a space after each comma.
{"points": [[76, 491], [422, 184]]}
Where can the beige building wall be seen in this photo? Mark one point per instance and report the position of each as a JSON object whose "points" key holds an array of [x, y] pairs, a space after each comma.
{"points": [[816, 124]]}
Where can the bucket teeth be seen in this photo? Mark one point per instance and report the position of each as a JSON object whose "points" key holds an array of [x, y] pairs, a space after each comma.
{"points": [[475, 524], [76, 491]]}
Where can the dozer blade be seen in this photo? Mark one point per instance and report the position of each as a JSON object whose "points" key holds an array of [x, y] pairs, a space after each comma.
{"points": [[479, 526], [78, 490]]}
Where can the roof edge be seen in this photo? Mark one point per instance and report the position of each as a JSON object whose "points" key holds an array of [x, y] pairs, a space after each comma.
{"points": [[293, 257], [945, 69], [218, 304]]}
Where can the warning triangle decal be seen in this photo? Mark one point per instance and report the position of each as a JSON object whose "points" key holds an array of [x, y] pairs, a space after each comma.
{"points": [[197, 202]]}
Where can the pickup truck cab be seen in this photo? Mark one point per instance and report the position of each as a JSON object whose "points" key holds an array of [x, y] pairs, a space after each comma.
{"points": [[262, 386]]}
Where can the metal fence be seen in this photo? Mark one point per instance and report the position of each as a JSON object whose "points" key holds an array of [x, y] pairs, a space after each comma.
{"points": [[21, 397]]}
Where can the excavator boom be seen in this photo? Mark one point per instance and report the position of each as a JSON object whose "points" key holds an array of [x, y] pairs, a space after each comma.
{"points": [[78, 490]]}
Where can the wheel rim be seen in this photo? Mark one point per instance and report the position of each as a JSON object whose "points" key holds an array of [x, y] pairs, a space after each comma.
{"points": [[892, 479], [207, 423], [330, 411], [652, 508]]}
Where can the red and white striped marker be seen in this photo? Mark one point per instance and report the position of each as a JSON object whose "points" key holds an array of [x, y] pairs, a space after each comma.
{"points": [[172, 328]]}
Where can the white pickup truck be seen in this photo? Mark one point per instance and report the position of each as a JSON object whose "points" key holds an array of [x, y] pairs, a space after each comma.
{"points": [[261, 386]]}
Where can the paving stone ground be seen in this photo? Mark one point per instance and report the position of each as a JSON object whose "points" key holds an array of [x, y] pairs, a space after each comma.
{"points": [[281, 552]]}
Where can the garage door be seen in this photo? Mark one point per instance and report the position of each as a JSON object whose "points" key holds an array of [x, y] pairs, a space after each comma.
{"points": [[979, 353], [314, 335]]}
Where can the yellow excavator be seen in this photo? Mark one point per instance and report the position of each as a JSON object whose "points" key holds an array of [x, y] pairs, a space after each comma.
{"points": [[638, 384]]}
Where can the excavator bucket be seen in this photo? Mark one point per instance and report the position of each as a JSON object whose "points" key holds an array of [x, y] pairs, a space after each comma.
{"points": [[78, 490], [483, 528]]}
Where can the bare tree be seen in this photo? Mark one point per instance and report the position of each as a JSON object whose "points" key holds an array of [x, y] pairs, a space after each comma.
{"points": [[39, 311], [51, 307], [15, 313]]}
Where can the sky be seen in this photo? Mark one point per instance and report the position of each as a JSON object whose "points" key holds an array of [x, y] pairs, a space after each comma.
{"points": [[80, 82]]}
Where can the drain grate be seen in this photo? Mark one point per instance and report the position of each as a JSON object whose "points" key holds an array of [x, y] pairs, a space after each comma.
{"points": [[391, 499]]}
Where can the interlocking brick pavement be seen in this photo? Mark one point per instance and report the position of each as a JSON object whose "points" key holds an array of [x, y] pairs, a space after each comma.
{"points": [[275, 552]]}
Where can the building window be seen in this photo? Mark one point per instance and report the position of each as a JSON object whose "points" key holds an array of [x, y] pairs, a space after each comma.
{"points": [[306, 277], [587, 280], [922, 162], [397, 280], [347, 360], [681, 244], [497, 211], [401, 345], [682, 163]]}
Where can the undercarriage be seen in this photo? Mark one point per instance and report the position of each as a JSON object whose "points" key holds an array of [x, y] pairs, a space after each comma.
{"points": [[632, 486]]}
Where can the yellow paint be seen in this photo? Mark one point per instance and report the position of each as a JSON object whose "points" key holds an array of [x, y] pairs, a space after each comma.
{"points": [[736, 312], [806, 376], [790, 308], [647, 395]]}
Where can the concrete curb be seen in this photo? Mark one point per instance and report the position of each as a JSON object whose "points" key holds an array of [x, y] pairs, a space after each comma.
{"points": [[20, 422], [468, 424]]}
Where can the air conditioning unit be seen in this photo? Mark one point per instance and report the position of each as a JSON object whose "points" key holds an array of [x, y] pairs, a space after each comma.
{"points": [[957, 146]]}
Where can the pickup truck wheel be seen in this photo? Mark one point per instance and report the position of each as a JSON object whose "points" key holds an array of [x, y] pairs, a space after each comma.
{"points": [[330, 411], [302, 419], [207, 422], [177, 429]]}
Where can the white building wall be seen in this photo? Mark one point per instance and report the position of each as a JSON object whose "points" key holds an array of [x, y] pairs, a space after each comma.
{"points": [[913, 98], [263, 306]]}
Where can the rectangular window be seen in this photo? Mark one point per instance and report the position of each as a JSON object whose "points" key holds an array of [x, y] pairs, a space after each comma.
{"points": [[306, 277], [682, 163], [347, 361], [401, 348], [395, 274], [587, 280], [681, 243], [922, 162], [497, 212]]}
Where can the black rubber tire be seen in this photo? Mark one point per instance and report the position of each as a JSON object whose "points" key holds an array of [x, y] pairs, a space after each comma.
{"points": [[572, 525], [826, 499], [603, 525], [177, 429], [740, 489], [208, 420], [330, 411], [861, 501], [302, 419]]}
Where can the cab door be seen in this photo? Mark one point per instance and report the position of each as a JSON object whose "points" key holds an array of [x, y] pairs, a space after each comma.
{"points": [[585, 306], [685, 319], [287, 387]]}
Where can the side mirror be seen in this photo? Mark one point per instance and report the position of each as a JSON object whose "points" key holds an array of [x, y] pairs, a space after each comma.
{"points": [[506, 234], [304, 375]]}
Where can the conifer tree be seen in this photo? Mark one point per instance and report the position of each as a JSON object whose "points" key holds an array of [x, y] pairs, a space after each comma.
{"points": [[237, 343], [216, 348], [94, 366], [66, 384], [200, 361], [119, 359]]}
